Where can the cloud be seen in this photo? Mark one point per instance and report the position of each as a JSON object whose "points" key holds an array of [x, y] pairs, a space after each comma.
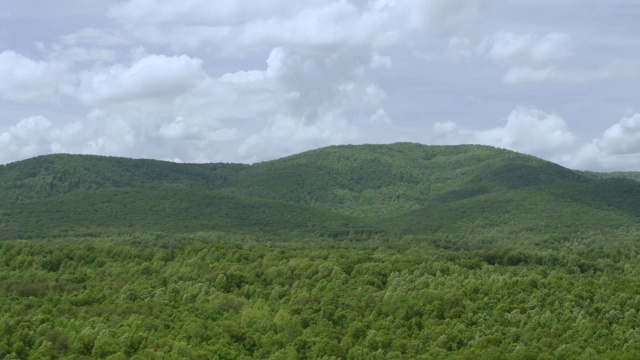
{"points": [[531, 131], [245, 25], [460, 49], [449, 15], [546, 135], [380, 117], [613, 70], [525, 74], [97, 37], [527, 130], [530, 57], [622, 138], [74, 54], [287, 135], [33, 136], [152, 77], [24, 79], [533, 58], [529, 48], [445, 128], [617, 148]]}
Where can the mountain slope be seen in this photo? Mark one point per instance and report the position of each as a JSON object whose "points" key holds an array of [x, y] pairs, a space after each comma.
{"points": [[59, 174], [361, 180], [603, 212], [378, 179], [454, 194], [106, 211]]}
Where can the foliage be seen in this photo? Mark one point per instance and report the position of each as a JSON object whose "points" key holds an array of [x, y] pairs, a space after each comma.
{"points": [[361, 180], [401, 251], [126, 211], [232, 298]]}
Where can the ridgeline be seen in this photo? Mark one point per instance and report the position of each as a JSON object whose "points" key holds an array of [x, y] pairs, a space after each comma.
{"points": [[478, 195]]}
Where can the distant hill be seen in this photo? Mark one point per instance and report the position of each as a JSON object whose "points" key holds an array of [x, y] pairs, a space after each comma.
{"points": [[631, 175], [131, 210], [60, 174], [465, 196], [362, 179]]}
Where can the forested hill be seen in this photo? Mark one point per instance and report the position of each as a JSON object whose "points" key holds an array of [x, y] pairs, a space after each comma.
{"points": [[362, 178], [59, 174], [356, 190]]}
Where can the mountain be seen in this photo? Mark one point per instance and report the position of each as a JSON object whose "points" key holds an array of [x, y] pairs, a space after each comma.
{"points": [[60, 174], [137, 210], [454, 196], [363, 179]]}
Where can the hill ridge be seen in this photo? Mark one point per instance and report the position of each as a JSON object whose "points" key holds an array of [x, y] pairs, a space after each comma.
{"points": [[441, 192]]}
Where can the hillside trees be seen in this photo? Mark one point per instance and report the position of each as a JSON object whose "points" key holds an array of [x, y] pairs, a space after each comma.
{"points": [[307, 298]]}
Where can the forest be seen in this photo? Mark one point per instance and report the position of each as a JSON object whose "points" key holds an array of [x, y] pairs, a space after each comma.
{"points": [[399, 251]]}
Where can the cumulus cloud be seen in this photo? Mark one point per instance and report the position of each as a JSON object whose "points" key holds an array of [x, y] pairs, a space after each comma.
{"points": [[33, 136], [529, 57], [380, 117], [202, 95], [152, 77], [618, 147], [444, 128], [287, 136], [25, 79], [531, 131], [242, 25], [547, 135], [527, 130], [622, 138]]}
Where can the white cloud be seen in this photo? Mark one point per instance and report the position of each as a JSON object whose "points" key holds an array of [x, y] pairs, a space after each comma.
{"points": [[516, 48], [380, 61], [33, 136], [380, 117], [245, 25], [535, 132], [622, 138], [184, 80], [552, 47], [27, 127], [527, 130], [24, 79], [531, 131], [287, 135], [150, 78], [444, 128]]}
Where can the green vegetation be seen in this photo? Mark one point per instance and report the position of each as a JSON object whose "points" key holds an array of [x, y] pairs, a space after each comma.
{"points": [[399, 251], [147, 298], [131, 210]]}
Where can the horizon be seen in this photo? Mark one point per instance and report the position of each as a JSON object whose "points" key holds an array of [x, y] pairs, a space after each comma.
{"points": [[305, 151], [236, 82]]}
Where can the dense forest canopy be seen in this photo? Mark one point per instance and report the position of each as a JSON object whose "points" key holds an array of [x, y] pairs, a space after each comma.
{"points": [[395, 251]]}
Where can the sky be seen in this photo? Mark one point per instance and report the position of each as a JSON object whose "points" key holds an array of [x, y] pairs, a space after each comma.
{"points": [[249, 81]]}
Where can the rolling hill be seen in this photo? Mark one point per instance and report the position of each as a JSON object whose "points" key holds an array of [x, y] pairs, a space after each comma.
{"points": [[477, 195], [347, 252]]}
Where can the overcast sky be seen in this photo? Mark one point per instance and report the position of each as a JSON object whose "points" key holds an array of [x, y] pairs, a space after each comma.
{"points": [[255, 80]]}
